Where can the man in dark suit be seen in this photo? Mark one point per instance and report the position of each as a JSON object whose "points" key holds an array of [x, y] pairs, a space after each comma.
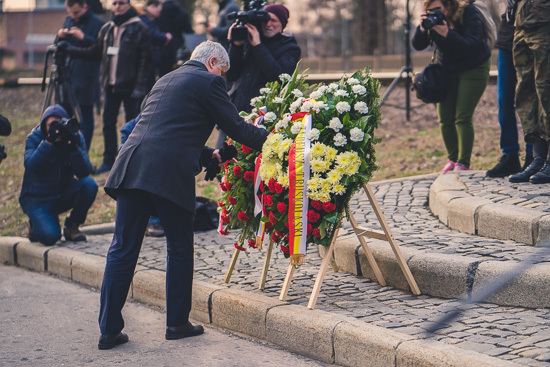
{"points": [[154, 174]]}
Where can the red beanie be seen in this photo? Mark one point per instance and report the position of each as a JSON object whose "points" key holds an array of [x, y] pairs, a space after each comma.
{"points": [[280, 11]]}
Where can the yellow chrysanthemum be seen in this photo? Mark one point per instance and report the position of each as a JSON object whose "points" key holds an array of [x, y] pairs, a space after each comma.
{"points": [[334, 177], [338, 189], [317, 150], [283, 180], [330, 154], [326, 187], [314, 183], [319, 165]]}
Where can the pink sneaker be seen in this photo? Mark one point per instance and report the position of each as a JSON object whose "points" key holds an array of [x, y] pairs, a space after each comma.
{"points": [[448, 167], [460, 167]]}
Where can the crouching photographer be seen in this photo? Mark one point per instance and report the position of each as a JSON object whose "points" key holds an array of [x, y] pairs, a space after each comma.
{"points": [[54, 154]]}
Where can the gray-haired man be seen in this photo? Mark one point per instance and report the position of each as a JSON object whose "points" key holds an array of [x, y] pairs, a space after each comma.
{"points": [[154, 175]]}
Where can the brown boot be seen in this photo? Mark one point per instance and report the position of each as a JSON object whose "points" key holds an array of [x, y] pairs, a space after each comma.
{"points": [[72, 233]]}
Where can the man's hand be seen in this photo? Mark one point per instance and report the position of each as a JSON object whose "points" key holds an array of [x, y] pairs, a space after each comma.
{"points": [[63, 33], [72, 141], [441, 29], [76, 33], [253, 34], [219, 157], [168, 38], [236, 43]]}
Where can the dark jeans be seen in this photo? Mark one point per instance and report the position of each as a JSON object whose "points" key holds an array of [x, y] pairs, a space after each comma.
{"points": [[506, 93], [44, 212], [87, 124], [133, 210], [110, 114]]}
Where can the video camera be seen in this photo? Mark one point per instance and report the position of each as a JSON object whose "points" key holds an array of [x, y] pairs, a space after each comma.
{"points": [[59, 52], [434, 17], [252, 13], [68, 125]]}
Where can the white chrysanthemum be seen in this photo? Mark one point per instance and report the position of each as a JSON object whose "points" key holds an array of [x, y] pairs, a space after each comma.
{"points": [[359, 89], [335, 124], [342, 107], [296, 127], [322, 89], [352, 81], [284, 77], [340, 140], [361, 107], [265, 90], [251, 117], [256, 100], [306, 107], [278, 100], [287, 117], [297, 93], [333, 86], [356, 134], [341, 93], [270, 116], [316, 94], [279, 126], [313, 134], [320, 105], [295, 105]]}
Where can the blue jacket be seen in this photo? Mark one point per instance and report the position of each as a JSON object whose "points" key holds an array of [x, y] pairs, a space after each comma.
{"points": [[84, 72], [48, 169]]}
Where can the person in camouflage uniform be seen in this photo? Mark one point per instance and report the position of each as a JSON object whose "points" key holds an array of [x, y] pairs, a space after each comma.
{"points": [[531, 51]]}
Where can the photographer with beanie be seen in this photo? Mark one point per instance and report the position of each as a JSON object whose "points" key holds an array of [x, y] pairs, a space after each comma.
{"points": [[266, 54], [54, 154]]}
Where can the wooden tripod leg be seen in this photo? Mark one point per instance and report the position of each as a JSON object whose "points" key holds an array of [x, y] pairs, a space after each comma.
{"points": [[400, 259], [266, 264], [231, 266], [368, 253], [321, 273], [286, 283]]}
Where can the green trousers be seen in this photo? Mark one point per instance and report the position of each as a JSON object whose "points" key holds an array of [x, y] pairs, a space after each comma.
{"points": [[456, 112]]}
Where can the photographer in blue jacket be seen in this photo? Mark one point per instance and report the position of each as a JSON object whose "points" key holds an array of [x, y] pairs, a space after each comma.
{"points": [[55, 152]]}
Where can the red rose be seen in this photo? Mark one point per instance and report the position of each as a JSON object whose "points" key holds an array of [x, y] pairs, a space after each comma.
{"points": [[309, 229], [285, 249], [240, 248], [316, 204], [222, 186], [272, 218], [246, 149], [286, 225], [224, 232], [329, 207], [268, 200], [249, 176], [232, 200], [228, 185], [271, 184], [262, 188], [316, 232], [220, 204], [274, 237], [313, 216], [237, 171], [225, 219], [252, 243], [243, 217], [268, 225], [224, 211], [281, 207], [278, 188]]}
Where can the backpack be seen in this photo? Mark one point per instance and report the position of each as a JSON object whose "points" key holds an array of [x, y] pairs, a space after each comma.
{"points": [[431, 84], [206, 214], [489, 25]]}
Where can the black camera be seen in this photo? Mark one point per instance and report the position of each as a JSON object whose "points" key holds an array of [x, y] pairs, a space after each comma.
{"points": [[69, 125], [59, 52], [434, 17], [252, 13]]}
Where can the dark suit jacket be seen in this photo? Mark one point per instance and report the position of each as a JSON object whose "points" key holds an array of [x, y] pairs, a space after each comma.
{"points": [[163, 151]]}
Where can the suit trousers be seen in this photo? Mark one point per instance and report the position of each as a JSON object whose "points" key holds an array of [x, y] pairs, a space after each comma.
{"points": [[113, 100], [133, 210]]}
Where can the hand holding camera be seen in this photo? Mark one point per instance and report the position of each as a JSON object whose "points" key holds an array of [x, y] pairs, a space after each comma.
{"points": [[64, 134], [436, 20], [54, 134]]}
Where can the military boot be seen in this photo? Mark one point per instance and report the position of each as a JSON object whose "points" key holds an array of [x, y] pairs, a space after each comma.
{"points": [[540, 151]]}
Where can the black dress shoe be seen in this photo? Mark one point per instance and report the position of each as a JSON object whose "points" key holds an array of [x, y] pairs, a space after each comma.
{"points": [[110, 341], [525, 175], [507, 165], [178, 332], [542, 176]]}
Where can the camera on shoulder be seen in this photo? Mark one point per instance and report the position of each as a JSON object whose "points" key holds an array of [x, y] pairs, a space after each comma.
{"points": [[252, 13], [434, 17]]}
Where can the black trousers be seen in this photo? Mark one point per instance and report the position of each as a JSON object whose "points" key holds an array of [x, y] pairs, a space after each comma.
{"points": [[133, 210], [110, 113]]}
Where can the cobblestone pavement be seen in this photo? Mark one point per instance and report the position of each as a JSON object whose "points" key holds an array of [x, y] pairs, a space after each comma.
{"points": [[511, 333]]}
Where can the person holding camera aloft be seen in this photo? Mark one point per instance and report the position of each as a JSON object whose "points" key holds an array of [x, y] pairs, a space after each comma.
{"points": [[456, 29], [80, 29], [262, 57], [54, 155]]}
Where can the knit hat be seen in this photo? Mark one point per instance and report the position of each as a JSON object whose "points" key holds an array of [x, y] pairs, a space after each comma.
{"points": [[280, 11], [55, 110]]}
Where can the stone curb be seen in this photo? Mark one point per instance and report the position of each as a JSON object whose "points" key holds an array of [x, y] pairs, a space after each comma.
{"points": [[312, 333], [446, 275], [457, 209]]}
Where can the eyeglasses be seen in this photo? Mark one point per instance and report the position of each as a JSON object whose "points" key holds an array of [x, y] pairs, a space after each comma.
{"points": [[115, 3]]}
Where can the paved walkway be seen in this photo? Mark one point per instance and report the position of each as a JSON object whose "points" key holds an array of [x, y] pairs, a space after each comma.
{"points": [[511, 333]]}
